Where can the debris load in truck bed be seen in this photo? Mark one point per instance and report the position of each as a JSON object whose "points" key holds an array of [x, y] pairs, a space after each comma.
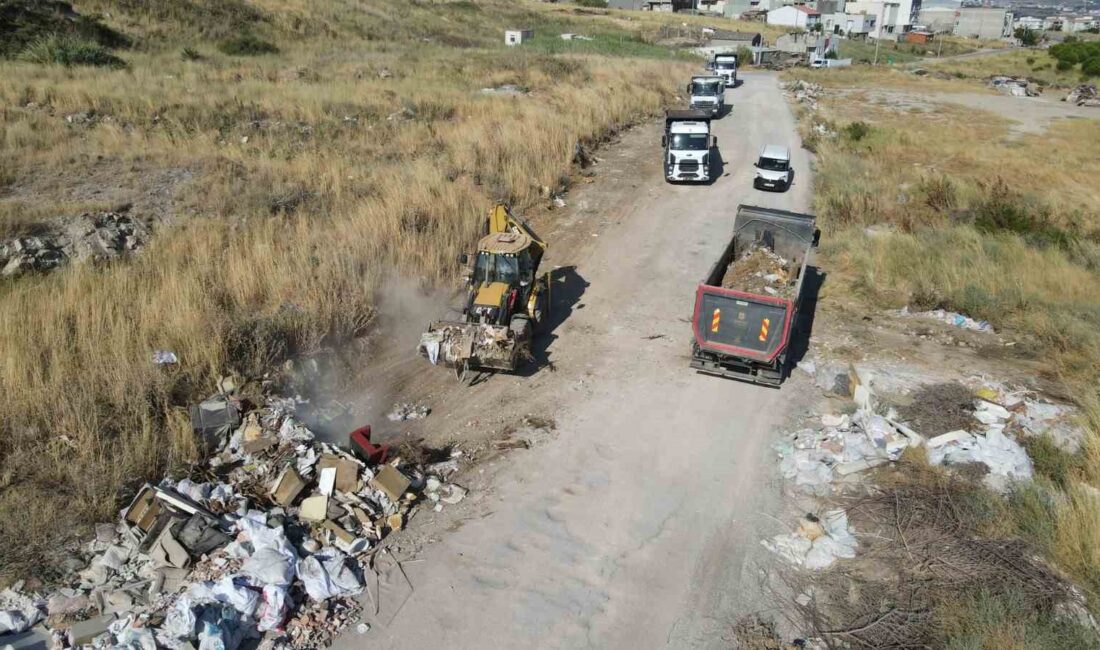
{"points": [[760, 271]]}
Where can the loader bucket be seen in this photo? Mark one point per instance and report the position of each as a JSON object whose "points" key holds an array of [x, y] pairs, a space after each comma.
{"points": [[471, 345]]}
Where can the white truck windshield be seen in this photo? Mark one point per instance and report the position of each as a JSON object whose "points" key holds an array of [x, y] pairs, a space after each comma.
{"points": [[704, 88], [689, 142]]}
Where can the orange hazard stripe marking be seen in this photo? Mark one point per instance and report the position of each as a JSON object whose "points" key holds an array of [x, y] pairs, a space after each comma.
{"points": [[715, 320], [764, 324]]}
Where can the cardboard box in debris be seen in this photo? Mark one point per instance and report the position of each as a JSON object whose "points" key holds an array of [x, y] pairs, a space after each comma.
{"points": [[277, 524]]}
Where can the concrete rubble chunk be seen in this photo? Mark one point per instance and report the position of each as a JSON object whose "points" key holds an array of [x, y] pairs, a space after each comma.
{"points": [[84, 632], [391, 482], [314, 509]]}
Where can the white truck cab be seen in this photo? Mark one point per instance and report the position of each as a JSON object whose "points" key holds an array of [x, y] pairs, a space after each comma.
{"points": [[708, 93], [725, 66], [687, 144], [773, 169]]}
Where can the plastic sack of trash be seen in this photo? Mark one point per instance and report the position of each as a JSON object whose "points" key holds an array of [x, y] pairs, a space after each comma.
{"points": [[221, 628], [13, 621], [179, 623], [326, 574], [227, 591], [273, 560], [130, 637], [273, 609]]}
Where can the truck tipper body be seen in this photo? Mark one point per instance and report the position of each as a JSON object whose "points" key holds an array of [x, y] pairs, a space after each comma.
{"points": [[687, 144], [725, 66], [747, 306], [708, 93]]}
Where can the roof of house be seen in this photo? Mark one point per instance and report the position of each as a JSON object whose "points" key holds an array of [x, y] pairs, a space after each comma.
{"points": [[725, 35], [807, 10]]}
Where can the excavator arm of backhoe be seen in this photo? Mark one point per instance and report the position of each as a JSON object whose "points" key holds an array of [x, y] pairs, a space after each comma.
{"points": [[501, 220]]}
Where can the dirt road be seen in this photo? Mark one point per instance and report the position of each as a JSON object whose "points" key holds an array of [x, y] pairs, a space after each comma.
{"points": [[638, 524]]}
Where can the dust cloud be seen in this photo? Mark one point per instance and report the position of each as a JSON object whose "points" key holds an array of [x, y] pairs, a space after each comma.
{"points": [[369, 378]]}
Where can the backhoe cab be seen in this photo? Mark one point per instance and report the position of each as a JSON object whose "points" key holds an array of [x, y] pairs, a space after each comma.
{"points": [[506, 301]]}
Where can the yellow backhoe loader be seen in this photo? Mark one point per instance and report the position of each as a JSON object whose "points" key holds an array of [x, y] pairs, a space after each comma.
{"points": [[506, 301]]}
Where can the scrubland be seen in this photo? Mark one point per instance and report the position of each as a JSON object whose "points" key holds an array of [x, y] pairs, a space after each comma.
{"points": [[298, 152], [935, 205]]}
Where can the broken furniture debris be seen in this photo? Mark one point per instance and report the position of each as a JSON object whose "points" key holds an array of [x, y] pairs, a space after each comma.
{"points": [[270, 539], [1083, 95]]}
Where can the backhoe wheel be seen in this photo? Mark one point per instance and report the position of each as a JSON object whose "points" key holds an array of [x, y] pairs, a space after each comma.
{"points": [[542, 310]]}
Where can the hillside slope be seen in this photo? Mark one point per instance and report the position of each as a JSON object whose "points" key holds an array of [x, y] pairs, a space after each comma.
{"points": [[286, 157]]}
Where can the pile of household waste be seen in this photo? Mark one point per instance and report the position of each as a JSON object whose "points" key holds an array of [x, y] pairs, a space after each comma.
{"points": [[453, 344], [1083, 95], [271, 540], [1015, 86], [804, 92], [819, 458], [817, 542], [951, 318], [760, 270]]}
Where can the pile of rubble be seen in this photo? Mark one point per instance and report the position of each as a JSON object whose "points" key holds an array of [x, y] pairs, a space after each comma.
{"points": [[271, 539], [817, 543], [1083, 95], [804, 92], [818, 458], [760, 270], [1015, 86], [92, 236]]}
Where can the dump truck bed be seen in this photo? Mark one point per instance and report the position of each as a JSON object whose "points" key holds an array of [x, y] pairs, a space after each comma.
{"points": [[746, 307]]}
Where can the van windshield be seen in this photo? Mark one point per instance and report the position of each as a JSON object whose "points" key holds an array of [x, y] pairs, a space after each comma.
{"points": [[725, 65], [689, 142], [772, 165]]}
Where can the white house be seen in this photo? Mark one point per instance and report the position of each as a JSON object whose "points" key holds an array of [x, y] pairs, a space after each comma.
{"points": [[797, 16], [1028, 22], [850, 25], [1079, 24], [887, 15]]}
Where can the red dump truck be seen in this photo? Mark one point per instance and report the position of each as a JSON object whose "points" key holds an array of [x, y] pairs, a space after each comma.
{"points": [[746, 308]]}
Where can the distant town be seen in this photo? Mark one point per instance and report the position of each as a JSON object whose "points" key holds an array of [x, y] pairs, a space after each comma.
{"points": [[898, 20]]}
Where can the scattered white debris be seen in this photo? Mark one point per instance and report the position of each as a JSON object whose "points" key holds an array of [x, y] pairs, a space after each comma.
{"points": [[1006, 459], [817, 543], [951, 318], [402, 412]]}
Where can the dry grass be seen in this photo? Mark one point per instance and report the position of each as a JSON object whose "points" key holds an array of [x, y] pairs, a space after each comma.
{"points": [[1033, 64], [361, 149]]}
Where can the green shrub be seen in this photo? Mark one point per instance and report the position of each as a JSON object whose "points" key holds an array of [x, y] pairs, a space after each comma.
{"points": [[247, 45], [596, 4], [1064, 65], [70, 50], [189, 54], [1091, 68], [1051, 461], [857, 131], [1004, 209]]}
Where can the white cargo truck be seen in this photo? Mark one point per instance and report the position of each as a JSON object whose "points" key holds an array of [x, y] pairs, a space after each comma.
{"points": [[725, 66], [687, 144], [708, 93]]}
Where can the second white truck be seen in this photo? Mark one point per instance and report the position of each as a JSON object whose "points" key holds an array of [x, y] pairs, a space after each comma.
{"points": [[708, 93]]}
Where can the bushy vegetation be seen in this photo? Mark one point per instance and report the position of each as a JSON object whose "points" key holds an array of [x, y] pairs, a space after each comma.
{"points": [[24, 23], [1072, 52], [70, 50], [247, 45]]}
